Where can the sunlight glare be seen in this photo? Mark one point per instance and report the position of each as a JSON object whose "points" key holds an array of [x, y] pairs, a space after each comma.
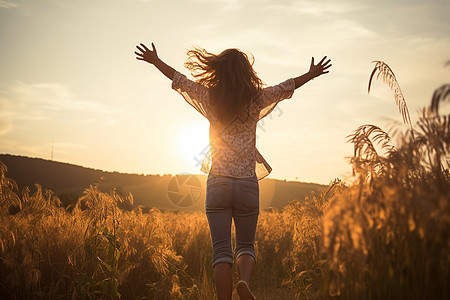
{"points": [[192, 139]]}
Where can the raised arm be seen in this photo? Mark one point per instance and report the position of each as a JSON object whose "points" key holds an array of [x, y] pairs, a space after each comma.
{"points": [[314, 71], [152, 58]]}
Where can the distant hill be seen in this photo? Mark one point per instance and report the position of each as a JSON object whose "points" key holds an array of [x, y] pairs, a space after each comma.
{"points": [[168, 192]]}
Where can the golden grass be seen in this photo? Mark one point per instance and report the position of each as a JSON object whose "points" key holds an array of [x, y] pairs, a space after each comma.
{"points": [[98, 250]]}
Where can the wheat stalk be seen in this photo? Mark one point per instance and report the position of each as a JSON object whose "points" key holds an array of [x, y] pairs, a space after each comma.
{"points": [[364, 139], [366, 159], [388, 77]]}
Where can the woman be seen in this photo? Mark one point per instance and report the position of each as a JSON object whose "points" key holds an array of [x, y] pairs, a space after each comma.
{"points": [[232, 97]]}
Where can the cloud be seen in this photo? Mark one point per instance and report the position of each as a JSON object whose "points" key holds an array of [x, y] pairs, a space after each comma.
{"points": [[48, 96], [21, 102], [315, 8], [5, 123], [6, 4]]}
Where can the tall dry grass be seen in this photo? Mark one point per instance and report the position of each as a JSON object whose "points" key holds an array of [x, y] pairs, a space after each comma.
{"points": [[95, 251], [100, 249], [387, 236]]}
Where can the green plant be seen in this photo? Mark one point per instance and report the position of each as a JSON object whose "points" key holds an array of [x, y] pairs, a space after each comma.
{"points": [[103, 251]]}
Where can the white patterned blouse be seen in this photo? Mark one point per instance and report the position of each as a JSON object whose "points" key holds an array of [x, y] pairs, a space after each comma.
{"points": [[232, 148]]}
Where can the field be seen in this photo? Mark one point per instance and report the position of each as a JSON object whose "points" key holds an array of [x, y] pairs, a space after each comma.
{"points": [[386, 235]]}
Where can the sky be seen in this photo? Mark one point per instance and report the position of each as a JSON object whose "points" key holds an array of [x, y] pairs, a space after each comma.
{"points": [[69, 79]]}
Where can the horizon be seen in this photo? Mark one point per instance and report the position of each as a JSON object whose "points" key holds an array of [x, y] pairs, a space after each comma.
{"points": [[71, 83], [139, 174]]}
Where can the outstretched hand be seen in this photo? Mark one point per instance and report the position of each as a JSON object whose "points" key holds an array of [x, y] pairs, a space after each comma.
{"points": [[147, 55], [320, 68]]}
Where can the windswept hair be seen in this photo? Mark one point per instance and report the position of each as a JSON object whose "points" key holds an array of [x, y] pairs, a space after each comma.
{"points": [[230, 77]]}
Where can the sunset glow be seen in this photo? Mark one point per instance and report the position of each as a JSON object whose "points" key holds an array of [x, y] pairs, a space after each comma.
{"points": [[191, 142]]}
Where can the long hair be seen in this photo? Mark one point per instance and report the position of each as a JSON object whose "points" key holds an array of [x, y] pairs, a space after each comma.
{"points": [[230, 77]]}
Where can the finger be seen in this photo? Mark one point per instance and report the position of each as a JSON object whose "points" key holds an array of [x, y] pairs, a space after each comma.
{"points": [[312, 61], [326, 67], [140, 49], [322, 60], [153, 46], [139, 58], [137, 53], [327, 62], [145, 47]]}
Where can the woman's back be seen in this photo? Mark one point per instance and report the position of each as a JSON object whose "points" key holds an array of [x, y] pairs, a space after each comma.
{"points": [[233, 144]]}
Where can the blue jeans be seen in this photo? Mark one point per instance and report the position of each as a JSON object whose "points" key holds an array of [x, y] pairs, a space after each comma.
{"points": [[232, 198]]}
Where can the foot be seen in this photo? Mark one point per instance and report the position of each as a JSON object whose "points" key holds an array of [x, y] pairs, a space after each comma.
{"points": [[243, 291]]}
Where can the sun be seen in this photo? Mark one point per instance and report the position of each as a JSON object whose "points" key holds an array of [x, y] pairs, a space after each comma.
{"points": [[192, 142]]}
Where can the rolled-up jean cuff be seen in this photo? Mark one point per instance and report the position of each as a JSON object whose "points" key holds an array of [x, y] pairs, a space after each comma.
{"points": [[223, 260], [252, 254]]}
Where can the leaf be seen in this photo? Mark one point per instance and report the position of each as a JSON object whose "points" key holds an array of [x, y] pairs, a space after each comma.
{"points": [[106, 265], [440, 94], [105, 286], [388, 77]]}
